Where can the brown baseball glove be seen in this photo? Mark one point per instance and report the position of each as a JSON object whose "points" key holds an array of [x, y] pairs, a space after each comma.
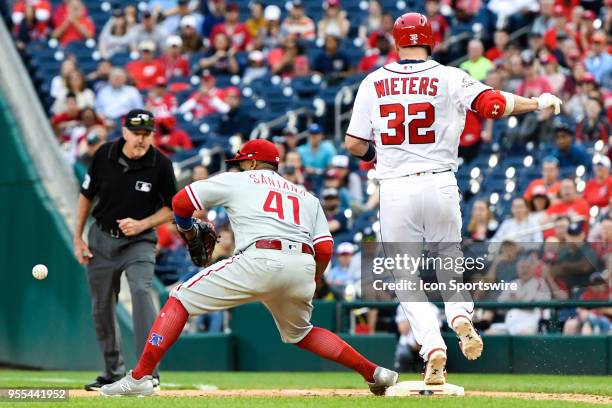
{"points": [[202, 244]]}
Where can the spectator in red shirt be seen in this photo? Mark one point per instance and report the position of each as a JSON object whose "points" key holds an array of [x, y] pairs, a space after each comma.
{"points": [[594, 126], [289, 60], [439, 25], [63, 122], [233, 28], [470, 139], [168, 238], [147, 69], [376, 58], [72, 23], [598, 190], [570, 204], [591, 321], [584, 30], [386, 27], [500, 41], [206, 100], [174, 64], [169, 138], [160, 101], [550, 179], [534, 84], [560, 28], [30, 20]]}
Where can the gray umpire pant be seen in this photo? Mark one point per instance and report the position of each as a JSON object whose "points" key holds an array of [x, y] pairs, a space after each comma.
{"points": [[112, 256]]}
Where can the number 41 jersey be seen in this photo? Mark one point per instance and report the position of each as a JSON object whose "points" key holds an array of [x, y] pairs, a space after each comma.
{"points": [[263, 205], [415, 113]]}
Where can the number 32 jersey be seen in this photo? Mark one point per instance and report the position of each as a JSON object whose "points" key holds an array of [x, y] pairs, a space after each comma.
{"points": [[261, 204], [415, 114]]}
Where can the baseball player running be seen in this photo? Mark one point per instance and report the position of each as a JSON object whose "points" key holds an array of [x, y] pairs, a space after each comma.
{"points": [[408, 116], [283, 244]]}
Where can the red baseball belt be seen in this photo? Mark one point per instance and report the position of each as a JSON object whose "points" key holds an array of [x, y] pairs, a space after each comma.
{"points": [[277, 244]]}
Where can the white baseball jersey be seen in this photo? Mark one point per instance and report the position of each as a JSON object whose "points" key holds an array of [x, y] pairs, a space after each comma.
{"points": [[261, 204], [415, 113]]}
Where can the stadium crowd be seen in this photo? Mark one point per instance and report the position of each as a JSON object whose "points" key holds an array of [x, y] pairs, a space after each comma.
{"points": [[538, 186]]}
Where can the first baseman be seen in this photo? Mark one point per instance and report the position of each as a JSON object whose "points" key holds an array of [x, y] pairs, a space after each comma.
{"points": [[283, 244], [408, 116]]}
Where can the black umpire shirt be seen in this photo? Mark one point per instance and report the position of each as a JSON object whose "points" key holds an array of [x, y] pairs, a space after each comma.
{"points": [[128, 188]]}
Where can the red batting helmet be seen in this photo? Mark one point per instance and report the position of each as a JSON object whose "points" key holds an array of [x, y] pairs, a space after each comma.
{"points": [[413, 29], [258, 149]]}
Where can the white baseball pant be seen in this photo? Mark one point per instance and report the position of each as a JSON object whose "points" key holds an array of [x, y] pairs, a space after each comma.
{"points": [[283, 280], [426, 207]]}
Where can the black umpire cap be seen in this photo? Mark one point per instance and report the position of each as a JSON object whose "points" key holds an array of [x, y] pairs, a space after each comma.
{"points": [[139, 119]]}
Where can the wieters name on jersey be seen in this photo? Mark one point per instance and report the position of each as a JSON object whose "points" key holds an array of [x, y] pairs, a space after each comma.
{"points": [[406, 85]]}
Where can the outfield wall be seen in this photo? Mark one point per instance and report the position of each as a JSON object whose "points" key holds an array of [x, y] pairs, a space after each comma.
{"points": [[42, 323]]}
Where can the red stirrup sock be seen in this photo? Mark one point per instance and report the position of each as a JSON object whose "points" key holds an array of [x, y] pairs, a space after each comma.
{"points": [[166, 329], [326, 344]]}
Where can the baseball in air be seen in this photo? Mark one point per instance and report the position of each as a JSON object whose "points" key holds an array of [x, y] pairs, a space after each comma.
{"points": [[40, 271]]}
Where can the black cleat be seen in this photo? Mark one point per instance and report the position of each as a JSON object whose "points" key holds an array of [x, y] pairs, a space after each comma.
{"points": [[99, 382]]}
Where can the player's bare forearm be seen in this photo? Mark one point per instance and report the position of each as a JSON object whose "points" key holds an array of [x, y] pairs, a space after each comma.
{"points": [[356, 147], [82, 212], [321, 267], [524, 105]]}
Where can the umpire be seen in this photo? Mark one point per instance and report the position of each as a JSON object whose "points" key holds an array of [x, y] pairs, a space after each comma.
{"points": [[134, 184]]}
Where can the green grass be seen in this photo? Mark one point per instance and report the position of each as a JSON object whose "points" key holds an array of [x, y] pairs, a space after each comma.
{"points": [[318, 402], [260, 380]]}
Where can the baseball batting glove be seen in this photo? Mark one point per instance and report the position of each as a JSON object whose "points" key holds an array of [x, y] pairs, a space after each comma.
{"points": [[202, 244], [547, 100]]}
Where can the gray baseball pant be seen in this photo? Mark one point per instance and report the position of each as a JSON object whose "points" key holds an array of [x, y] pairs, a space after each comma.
{"points": [[112, 256]]}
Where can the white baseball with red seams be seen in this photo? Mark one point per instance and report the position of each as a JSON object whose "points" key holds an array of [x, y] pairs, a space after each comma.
{"points": [[415, 113], [40, 271], [261, 205]]}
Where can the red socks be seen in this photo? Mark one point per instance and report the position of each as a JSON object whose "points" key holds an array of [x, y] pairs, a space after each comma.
{"points": [[173, 316], [166, 329], [327, 345]]}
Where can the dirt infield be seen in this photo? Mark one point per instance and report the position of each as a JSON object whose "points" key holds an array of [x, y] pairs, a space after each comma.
{"points": [[324, 392]]}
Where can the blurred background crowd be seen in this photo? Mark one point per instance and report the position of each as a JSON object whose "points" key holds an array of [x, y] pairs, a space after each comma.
{"points": [[218, 72]]}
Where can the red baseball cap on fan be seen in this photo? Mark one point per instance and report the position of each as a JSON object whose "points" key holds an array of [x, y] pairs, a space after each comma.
{"points": [[258, 149]]}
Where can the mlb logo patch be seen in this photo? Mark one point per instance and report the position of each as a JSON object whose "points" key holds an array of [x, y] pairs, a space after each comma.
{"points": [[156, 339], [143, 186], [414, 38]]}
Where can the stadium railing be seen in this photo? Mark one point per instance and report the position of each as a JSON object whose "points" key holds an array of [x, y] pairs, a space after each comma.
{"points": [[345, 308]]}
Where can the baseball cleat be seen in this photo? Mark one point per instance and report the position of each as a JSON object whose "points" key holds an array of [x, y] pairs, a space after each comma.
{"points": [[156, 384], [435, 372], [129, 386], [100, 381], [383, 379], [469, 340]]}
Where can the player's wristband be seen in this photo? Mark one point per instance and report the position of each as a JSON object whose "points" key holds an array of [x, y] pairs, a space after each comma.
{"points": [[183, 223], [509, 102], [369, 155]]}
